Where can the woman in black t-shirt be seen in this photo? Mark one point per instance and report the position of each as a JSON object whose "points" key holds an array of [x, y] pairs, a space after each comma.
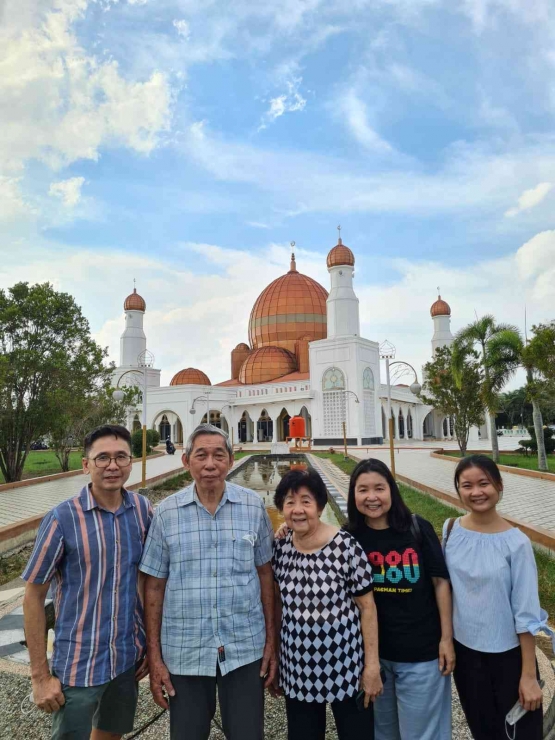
{"points": [[413, 600]]}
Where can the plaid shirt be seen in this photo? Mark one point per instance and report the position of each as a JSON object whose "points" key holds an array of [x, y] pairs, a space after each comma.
{"points": [[212, 597], [93, 556]]}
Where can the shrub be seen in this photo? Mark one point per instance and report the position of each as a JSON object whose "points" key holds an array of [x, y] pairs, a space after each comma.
{"points": [[532, 444], [152, 437], [137, 443]]}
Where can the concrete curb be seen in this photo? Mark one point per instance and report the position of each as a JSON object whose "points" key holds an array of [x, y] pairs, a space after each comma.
{"points": [[439, 455]]}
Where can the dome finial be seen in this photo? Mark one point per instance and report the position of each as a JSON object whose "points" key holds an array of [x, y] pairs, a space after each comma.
{"points": [[293, 267], [339, 238], [438, 293]]}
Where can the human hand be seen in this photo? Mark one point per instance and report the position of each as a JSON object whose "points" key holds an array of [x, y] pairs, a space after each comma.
{"points": [[446, 656], [268, 668], [160, 681], [371, 684], [281, 532], [48, 694], [142, 670], [529, 693], [275, 689]]}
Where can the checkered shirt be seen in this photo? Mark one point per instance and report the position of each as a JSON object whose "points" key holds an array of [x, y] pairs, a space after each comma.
{"points": [[321, 649], [212, 597]]}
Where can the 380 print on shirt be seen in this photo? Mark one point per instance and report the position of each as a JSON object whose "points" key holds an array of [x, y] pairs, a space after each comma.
{"points": [[395, 568]]}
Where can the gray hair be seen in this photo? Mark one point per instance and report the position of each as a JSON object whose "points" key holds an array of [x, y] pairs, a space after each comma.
{"points": [[207, 429]]}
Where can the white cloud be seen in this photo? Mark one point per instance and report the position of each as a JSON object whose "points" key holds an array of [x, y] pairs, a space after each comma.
{"points": [[183, 28], [288, 102], [12, 203], [69, 191], [356, 116], [530, 198]]}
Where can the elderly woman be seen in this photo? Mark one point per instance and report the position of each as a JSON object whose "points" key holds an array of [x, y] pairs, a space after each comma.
{"points": [[328, 637]]}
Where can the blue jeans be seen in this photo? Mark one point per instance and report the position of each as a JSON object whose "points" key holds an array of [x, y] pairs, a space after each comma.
{"points": [[415, 704]]}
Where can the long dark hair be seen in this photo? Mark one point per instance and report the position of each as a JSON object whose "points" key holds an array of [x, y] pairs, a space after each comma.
{"points": [[486, 465], [399, 517]]}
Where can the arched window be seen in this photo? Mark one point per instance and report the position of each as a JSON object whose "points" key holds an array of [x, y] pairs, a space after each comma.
{"points": [[369, 402], [333, 380], [368, 379]]}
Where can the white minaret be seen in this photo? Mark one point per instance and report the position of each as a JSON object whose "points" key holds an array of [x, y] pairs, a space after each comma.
{"points": [[342, 303], [133, 339], [441, 315]]}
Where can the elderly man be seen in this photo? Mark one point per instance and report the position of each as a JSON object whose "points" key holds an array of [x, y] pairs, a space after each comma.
{"points": [[209, 598]]}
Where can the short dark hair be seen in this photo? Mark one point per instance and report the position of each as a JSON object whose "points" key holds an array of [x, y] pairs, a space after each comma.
{"points": [[485, 464], [399, 517], [297, 479], [106, 430]]}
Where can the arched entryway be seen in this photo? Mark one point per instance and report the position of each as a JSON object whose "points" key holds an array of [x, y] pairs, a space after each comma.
{"points": [[168, 424], [245, 428], [283, 425], [428, 426], [307, 421], [264, 427], [401, 422], [394, 426], [136, 423], [410, 427], [446, 427], [164, 428], [384, 424], [215, 418]]}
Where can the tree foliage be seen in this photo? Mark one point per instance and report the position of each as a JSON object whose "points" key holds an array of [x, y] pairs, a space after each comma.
{"points": [[46, 353], [455, 392], [541, 350], [532, 443]]}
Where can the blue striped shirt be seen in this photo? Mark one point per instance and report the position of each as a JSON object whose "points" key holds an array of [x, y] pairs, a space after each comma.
{"points": [[212, 596], [93, 557]]}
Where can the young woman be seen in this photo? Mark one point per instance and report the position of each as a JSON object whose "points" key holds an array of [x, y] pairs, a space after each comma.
{"points": [[413, 601], [496, 608]]}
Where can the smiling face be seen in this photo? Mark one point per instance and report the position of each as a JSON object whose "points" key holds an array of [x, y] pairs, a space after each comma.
{"points": [[373, 498], [476, 491], [301, 511], [111, 478]]}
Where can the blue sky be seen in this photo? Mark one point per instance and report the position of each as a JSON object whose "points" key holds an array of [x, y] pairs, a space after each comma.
{"points": [[186, 143]]}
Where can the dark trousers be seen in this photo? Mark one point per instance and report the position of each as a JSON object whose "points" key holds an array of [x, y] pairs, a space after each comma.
{"points": [[488, 688], [241, 697], [306, 720]]}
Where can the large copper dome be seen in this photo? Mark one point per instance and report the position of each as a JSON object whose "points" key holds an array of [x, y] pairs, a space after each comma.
{"points": [[292, 306], [267, 363], [190, 376], [134, 302]]}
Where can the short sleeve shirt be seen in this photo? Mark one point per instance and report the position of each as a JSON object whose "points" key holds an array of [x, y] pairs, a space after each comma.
{"points": [[321, 649], [409, 626]]}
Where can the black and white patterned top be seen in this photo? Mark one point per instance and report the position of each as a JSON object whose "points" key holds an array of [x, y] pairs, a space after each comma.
{"points": [[321, 651]]}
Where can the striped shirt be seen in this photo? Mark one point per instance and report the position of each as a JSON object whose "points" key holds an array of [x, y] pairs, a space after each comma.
{"points": [[93, 556], [212, 605]]}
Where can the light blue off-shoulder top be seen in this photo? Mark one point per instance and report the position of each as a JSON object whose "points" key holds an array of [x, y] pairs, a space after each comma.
{"points": [[495, 588]]}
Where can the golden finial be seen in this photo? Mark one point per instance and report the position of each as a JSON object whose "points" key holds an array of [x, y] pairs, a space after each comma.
{"points": [[293, 267], [339, 238]]}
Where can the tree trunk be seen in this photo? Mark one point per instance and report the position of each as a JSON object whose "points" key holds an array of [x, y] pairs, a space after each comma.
{"points": [[494, 440], [538, 428]]}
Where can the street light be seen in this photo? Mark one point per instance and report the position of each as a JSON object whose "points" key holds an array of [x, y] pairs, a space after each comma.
{"points": [[387, 353], [415, 386], [206, 398], [345, 455], [230, 407]]}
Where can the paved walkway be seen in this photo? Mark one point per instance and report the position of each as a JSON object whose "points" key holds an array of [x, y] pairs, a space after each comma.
{"points": [[38, 498], [531, 500]]}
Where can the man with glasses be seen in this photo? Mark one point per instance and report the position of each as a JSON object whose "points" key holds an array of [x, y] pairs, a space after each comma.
{"points": [[91, 546]]}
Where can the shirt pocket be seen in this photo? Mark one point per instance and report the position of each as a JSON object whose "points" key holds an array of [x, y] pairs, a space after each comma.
{"points": [[243, 542]]}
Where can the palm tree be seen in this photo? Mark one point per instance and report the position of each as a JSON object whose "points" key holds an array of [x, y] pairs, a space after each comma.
{"points": [[500, 356]]}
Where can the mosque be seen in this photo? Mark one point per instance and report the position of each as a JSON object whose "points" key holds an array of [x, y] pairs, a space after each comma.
{"points": [[305, 357]]}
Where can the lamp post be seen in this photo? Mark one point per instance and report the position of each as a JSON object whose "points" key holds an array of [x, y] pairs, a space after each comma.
{"points": [[345, 455], [228, 406], [145, 361], [387, 353]]}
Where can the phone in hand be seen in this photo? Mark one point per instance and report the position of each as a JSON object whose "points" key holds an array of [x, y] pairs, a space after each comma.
{"points": [[360, 695]]}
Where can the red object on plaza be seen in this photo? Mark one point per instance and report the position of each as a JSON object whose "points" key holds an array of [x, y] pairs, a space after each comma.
{"points": [[297, 427]]}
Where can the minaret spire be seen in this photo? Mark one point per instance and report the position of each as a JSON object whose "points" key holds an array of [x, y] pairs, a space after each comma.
{"points": [[339, 230], [293, 267]]}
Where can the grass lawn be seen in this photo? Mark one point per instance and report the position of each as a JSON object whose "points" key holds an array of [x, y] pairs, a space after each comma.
{"points": [[45, 462], [529, 462], [437, 512]]}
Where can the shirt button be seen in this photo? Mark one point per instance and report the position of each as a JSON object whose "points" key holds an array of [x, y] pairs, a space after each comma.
{"points": [[214, 574]]}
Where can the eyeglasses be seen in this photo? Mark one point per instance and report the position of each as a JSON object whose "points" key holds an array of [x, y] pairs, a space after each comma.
{"points": [[102, 461]]}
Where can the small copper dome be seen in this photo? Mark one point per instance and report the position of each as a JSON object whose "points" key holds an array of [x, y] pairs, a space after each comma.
{"points": [[190, 376], [340, 255], [265, 364], [440, 308], [243, 346], [134, 302]]}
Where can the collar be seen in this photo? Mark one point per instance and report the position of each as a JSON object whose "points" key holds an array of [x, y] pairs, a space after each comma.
{"points": [[89, 502], [189, 495]]}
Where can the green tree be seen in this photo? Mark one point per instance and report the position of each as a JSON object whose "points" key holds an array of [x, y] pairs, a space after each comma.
{"points": [[498, 359], [455, 391], [45, 349], [542, 350], [137, 443]]}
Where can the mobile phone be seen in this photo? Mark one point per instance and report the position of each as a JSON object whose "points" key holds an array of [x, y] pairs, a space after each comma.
{"points": [[360, 695]]}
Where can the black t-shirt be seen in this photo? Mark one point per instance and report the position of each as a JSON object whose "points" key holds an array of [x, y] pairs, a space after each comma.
{"points": [[408, 618]]}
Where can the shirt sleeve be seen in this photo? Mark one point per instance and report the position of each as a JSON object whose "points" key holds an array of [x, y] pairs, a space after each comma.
{"points": [[432, 551], [525, 600], [47, 553], [360, 579], [156, 559], [264, 540]]}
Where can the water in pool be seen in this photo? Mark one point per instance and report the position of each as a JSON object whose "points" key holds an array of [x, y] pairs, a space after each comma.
{"points": [[262, 474]]}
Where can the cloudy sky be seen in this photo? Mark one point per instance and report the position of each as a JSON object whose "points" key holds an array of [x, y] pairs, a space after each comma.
{"points": [[186, 143]]}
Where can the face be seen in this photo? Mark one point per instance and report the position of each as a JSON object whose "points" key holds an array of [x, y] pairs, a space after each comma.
{"points": [[476, 490], [300, 511], [373, 496], [209, 462], [111, 478]]}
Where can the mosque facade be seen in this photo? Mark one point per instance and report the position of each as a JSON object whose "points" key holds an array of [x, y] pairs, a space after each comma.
{"points": [[305, 357]]}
